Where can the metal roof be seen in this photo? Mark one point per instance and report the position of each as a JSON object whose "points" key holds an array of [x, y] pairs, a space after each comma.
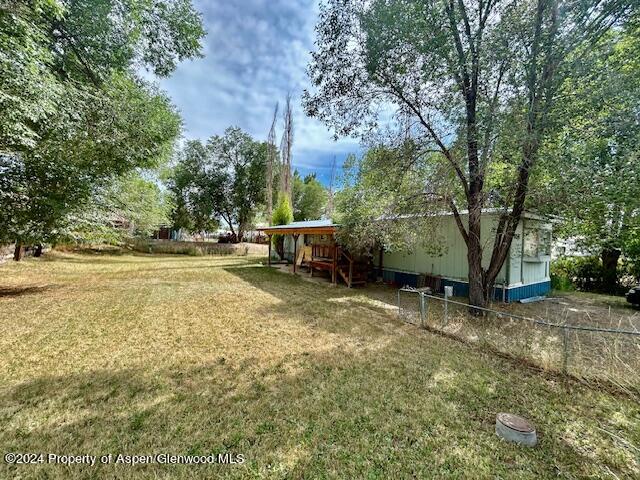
{"points": [[306, 224], [485, 211]]}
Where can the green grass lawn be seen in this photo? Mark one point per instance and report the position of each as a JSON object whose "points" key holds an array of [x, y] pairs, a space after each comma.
{"points": [[129, 354]]}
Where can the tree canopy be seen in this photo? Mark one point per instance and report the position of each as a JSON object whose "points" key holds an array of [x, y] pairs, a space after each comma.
{"points": [[282, 215], [222, 181], [473, 81], [52, 47], [128, 126], [591, 164], [309, 197], [78, 115], [130, 207]]}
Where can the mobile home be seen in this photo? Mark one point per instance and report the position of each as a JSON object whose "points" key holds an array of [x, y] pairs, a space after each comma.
{"points": [[525, 273]]}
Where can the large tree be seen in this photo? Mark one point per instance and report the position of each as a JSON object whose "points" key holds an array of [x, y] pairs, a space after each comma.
{"points": [[78, 114], [237, 178], [474, 80], [50, 48], [194, 209], [30, 91], [591, 166], [131, 207], [126, 126], [309, 197], [221, 181]]}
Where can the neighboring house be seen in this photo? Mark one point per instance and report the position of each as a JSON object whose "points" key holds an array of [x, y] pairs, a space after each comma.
{"points": [[569, 247], [525, 273]]}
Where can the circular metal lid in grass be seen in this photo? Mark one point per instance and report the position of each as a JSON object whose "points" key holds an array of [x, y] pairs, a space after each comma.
{"points": [[515, 429]]}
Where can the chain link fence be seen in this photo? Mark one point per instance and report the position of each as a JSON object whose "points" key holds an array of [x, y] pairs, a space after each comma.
{"points": [[570, 343]]}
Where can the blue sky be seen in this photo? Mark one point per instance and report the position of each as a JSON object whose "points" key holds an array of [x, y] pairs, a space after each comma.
{"points": [[255, 51]]}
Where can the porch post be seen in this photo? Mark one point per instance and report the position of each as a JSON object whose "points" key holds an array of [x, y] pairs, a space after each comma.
{"points": [[269, 258], [334, 272], [295, 248]]}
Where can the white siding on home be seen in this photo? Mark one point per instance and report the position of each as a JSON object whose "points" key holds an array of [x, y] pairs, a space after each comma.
{"points": [[452, 262], [532, 253]]}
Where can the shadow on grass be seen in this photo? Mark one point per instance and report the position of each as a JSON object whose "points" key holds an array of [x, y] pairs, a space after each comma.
{"points": [[138, 257], [379, 413], [22, 291], [302, 297], [190, 267]]}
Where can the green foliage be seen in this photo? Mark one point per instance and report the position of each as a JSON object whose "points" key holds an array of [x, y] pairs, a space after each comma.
{"points": [[30, 92], [142, 206], [581, 273], [592, 161], [132, 207], [78, 118], [223, 180], [282, 215], [237, 178], [98, 36], [49, 48], [193, 204], [309, 197], [124, 126], [475, 82], [382, 202]]}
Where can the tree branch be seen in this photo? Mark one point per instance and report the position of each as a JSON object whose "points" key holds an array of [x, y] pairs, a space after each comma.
{"points": [[456, 216], [445, 151], [462, 62]]}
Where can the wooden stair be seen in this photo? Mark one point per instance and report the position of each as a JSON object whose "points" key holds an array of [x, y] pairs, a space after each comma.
{"points": [[352, 272]]}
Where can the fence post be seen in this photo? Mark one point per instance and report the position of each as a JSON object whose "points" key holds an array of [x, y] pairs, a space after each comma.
{"points": [[422, 308], [448, 291], [565, 349], [426, 309], [399, 313]]}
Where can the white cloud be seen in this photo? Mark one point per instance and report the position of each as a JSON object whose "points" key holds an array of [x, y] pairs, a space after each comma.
{"points": [[256, 51]]}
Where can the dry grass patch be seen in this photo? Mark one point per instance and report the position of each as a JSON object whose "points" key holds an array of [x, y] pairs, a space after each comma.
{"points": [[143, 354]]}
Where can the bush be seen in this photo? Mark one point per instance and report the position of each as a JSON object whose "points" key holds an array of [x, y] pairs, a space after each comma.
{"points": [[629, 273], [560, 281], [587, 274], [282, 215], [581, 273]]}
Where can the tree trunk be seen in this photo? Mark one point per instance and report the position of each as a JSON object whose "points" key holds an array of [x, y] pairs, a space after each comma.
{"points": [[477, 288], [610, 257], [38, 251], [18, 252], [477, 296]]}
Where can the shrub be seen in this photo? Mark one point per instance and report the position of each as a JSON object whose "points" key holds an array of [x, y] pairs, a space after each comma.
{"points": [[282, 215], [629, 272], [582, 273], [586, 273], [560, 281]]}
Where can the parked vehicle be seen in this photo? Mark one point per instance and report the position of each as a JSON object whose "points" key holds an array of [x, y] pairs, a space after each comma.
{"points": [[633, 296], [227, 238]]}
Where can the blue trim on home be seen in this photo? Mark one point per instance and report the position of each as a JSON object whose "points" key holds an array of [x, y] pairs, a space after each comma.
{"points": [[400, 278], [527, 291], [461, 289]]}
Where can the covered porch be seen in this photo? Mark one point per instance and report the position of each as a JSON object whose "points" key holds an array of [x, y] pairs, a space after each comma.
{"points": [[312, 247]]}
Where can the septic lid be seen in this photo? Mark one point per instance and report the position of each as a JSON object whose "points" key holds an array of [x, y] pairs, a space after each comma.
{"points": [[515, 423]]}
